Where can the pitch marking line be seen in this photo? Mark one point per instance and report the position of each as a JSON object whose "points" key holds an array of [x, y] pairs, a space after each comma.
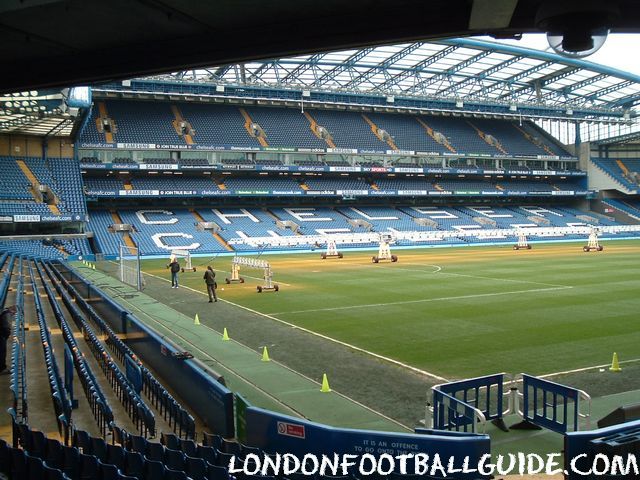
{"points": [[425, 300], [339, 342], [584, 369]]}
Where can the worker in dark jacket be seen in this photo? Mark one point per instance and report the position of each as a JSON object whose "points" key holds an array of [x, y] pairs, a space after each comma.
{"points": [[210, 280], [175, 268], [6, 318]]}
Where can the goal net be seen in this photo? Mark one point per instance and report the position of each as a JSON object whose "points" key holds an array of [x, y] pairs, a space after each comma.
{"points": [[184, 258], [130, 272]]}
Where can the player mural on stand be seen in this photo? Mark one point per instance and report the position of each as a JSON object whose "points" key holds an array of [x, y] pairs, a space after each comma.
{"points": [[210, 280], [174, 265]]}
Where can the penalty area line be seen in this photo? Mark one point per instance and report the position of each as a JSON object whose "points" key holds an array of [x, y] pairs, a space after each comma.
{"points": [[339, 342]]}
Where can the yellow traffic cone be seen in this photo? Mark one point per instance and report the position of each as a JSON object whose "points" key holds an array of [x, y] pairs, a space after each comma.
{"points": [[225, 335], [265, 355], [615, 366], [196, 321], [93, 266], [325, 384]]}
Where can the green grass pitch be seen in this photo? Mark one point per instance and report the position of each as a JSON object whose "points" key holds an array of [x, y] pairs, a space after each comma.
{"points": [[458, 312]]}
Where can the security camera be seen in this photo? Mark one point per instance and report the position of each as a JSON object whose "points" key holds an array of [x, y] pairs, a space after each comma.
{"points": [[576, 28]]}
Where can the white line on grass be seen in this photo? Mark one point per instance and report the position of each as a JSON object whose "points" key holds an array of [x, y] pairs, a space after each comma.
{"points": [[584, 369], [345, 344], [440, 271], [425, 300]]}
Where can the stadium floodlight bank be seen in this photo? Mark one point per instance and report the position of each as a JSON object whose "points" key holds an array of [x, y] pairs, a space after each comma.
{"points": [[130, 272]]}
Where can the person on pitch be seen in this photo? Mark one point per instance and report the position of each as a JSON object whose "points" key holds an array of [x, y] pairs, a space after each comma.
{"points": [[210, 280], [175, 268]]}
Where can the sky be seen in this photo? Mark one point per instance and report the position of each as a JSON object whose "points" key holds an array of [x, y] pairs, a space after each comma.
{"points": [[619, 51]]}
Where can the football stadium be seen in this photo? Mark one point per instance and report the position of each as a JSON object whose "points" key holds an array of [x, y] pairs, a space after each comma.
{"points": [[401, 248]]}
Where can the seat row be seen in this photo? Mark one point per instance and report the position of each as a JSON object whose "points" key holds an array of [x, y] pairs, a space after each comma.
{"points": [[177, 416], [136, 408]]}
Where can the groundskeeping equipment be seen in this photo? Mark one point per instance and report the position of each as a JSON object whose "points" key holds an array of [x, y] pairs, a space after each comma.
{"points": [[267, 273], [332, 250], [523, 243], [186, 255], [593, 243], [130, 272], [384, 250]]}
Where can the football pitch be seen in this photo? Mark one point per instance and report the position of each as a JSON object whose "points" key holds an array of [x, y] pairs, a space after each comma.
{"points": [[454, 312]]}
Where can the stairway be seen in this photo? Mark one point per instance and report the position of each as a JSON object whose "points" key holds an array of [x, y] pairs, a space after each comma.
{"points": [[430, 132], [104, 115], [483, 136], [35, 184], [530, 138], [222, 241], [262, 137], [177, 121], [128, 241], [376, 131], [313, 125]]}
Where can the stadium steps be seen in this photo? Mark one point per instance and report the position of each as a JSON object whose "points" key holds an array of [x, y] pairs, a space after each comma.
{"points": [[127, 184], [128, 241], [530, 138], [499, 187], [374, 186], [304, 186], [104, 115], [375, 129], [247, 125], [313, 125], [221, 240], [188, 137], [483, 136], [430, 132], [623, 167], [220, 183], [35, 184], [438, 187]]}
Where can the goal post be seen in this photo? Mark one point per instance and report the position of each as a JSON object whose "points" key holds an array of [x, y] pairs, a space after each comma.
{"points": [[185, 255], [130, 271]]}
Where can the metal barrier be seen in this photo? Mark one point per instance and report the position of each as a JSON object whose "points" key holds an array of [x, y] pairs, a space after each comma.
{"points": [[552, 406], [467, 403]]}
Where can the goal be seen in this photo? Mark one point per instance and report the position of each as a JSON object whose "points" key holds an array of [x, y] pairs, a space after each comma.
{"points": [[130, 272], [186, 256]]}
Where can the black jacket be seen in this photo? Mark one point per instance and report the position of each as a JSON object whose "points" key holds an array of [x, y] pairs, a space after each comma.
{"points": [[209, 277], [175, 267]]}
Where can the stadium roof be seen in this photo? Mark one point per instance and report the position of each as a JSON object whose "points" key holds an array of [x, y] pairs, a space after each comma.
{"points": [[56, 43], [461, 69], [42, 113]]}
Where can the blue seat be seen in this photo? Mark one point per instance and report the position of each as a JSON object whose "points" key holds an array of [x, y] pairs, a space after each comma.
{"points": [[119, 435], [170, 440], [215, 472], [82, 440], [37, 444], [54, 453], [188, 447], [223, 458], [153, 470], [196, 468], [99, 448], [5, 457], [133, 464], [51, 473], [71, 465], [207, 453], [107, 471], [229, 446], [155, 451], [174, 459], [170, 474], [18, 463], [34, 467], [115, 456], [88, 467], [137, 444], [212, 440]]}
